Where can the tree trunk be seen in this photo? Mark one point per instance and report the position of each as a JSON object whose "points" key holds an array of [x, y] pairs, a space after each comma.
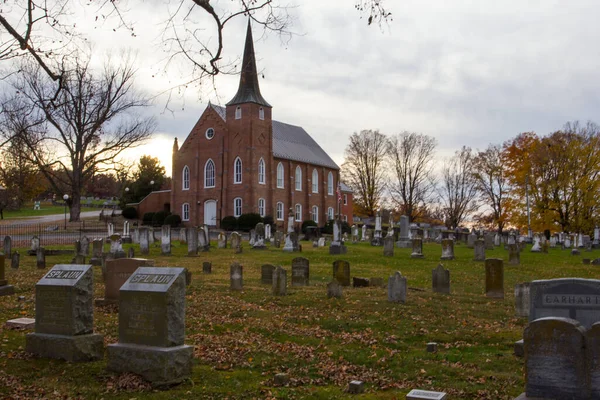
{"points": [[75, 208]]}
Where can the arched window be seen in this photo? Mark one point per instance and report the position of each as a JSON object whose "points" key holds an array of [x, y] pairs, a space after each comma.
{"points": [[280, 211], [345, 218], [345, 199], [261, 171], [237, 206], [315, 181], [209, 174], [330, 184], [238, 112], [237, 170], [280, 175], [298, 212], [186, 178], [185, 212], [315, 214], [298, 178], [330, 213], [261, 113], [261, 207]]}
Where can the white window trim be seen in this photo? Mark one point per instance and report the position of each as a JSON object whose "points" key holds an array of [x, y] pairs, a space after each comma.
{"points": [[330, 213], [261, 212], [238, 112], [206, 133], [282, 211], [261, 162], [330, 184], [261, 113], [298, 179], [214, 173], [183, 207], [235, 214], [235, 181], [296, 213], [345, 199], [184, 180], [282, 176], [315, 181], [315, 215]]}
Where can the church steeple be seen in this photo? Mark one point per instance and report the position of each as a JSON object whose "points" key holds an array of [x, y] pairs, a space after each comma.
{"points": [[248, 91]]}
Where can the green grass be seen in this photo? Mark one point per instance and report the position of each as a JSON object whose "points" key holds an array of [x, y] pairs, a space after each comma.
{"points": [[45, 209], [242, 339]]}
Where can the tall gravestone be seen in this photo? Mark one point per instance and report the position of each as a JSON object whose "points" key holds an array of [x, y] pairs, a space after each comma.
{"points": [[222, 241], [514, 254], [489, 241], [97, 248], [266, 274], [192, 241], [5, 288], [203, 240], [388, 246], [116, 273], [15, 259], [152, 327], [341, 272], [279, 281], [522, 299], [183, 236], [300, 271], [494, 278], [85, 246], [479, 250], [165, 240], [7, 246], [440, 280], [35, 244], [64, 316], [236, 277], [337, 245], [471, 240], [417, 248], [403, 239], [41, 258], [447, 249], [397, 288], [144, 241], [207, 267], [135, 238], [259, 243], [376, 241], [235, 239]]}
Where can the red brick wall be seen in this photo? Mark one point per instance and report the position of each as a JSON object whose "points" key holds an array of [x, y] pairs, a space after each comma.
{"points": [[347, 208], [155, 201]]}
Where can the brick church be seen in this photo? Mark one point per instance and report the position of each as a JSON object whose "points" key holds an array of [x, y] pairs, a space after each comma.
{"points": [[238, 160]]}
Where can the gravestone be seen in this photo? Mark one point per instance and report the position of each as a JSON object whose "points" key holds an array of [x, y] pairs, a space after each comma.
{"points": [[278, 238], [207, 267], [376, 241], [131, 253], [203, 239], [116, 273], [334, 289], [110, 229], [471, 240], [417, 394], [522, 299], [417, 248], [359, 282], [135, 238], [266, 274], [300, 271], [85, 246], [403, 239], [514, 255], [35, 244], [397, 288], [388, 246], [14, 262], [78, 259], [573, 298], [97, 248], [7, 246], [235, 239], [252, 238], [291, 242], [555, 360], [279, 281], [479, 250], [259, 242], [183, 236], [337, 245], [236, 277], [536, 248], [64, 316], [363, 235], [151, 327], [592, 342], [116, 247], [77, 245], [222, 241], [489, 241], [41, 258], [192, 241], [165, 240], [447, 249], [440, 280], [341, 272], [126, 232], [494, 278], [151, 237], [268, 232], [5, 288]]}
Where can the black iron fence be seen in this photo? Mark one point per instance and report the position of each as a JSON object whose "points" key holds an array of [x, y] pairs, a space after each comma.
{"points": [[55, 233]]}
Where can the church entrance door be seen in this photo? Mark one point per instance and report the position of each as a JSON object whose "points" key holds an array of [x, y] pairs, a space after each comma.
{"points": [[210, 212]]}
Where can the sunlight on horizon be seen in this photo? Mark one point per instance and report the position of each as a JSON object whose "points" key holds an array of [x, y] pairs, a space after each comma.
{"points": [[159, 146]]}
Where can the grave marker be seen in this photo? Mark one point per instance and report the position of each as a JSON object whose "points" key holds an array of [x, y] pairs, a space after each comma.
{"points": [[192, 241], [279, 281], [207, 267], [334, 289], [236, 277], [41, 258], [165, 240], [116, 273], [440, 280], [341, 272], [5, 288], [300, 271], [494, 278], [266, 274], [7, 246], [397, 288], [447, 249], [14, 262]]}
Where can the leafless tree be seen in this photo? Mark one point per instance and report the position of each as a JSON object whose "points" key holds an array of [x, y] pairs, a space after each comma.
{"points": [[363, 169], [89, 124], [492, 183], [458, 188], [412, 182]]}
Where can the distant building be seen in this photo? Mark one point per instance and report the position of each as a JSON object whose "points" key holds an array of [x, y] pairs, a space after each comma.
{"points": [[238, 160]]}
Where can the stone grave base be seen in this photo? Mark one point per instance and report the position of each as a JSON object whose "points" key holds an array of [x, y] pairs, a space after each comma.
{"points": [[7, 290], [446, 258], [126, 239], [523, 396], [20, 323], [290, 249], [161, 366], [338, 249], [69, 348], [404, 244], [259, 247]]}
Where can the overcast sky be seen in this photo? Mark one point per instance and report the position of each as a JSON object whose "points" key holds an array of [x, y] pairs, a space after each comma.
{"points": [[465, 72]]}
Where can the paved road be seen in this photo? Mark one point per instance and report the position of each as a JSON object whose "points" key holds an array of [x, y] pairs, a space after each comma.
{"points": [[49, 218]]}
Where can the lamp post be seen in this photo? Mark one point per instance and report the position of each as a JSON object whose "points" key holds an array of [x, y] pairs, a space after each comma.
{"points": [[527, 188], [65, 198]]}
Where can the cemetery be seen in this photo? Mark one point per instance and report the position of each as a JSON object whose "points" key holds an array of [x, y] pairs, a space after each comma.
{"points": [[268, 323]]}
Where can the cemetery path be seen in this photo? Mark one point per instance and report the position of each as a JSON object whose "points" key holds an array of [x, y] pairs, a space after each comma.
{"points": [[49, 218]]}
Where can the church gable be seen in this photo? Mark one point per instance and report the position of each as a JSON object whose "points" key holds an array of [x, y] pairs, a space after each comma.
{"points": [[210, 119]]}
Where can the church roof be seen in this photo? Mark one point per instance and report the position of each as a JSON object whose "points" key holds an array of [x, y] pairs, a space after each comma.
{"points": [[292, 142], [248, 91]]}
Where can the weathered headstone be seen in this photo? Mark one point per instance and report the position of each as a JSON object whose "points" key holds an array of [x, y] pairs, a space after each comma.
{"points": [[135, 238], [41, 258], [78, 259], [268, 232], [494, 278], [489, 241], [259, 241], [222, 241], [447, 249], [279, 281], [479, 250], [592, 344], [417, 394], [514, 255], [417, 248], [151, 237], [440, 280], [403, 239], [321, 242], [5, 288], [116, 273], [277, 239], [236, 277], [97, 249], [291, 242], [64, 316], [35, 244], [471, 240], [334, 289], [183, 236], [266, 274], [397, 288], [203, 239], [337, 244], [131, 253], [359, 282], [165, 240], [536, 248], [388, 246], [85, 246], [300, 271], [110, 229], [341, 272], [14, 262], [207, 267], [235, 239], [7, 246], [192, 241], [151, 327]]}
